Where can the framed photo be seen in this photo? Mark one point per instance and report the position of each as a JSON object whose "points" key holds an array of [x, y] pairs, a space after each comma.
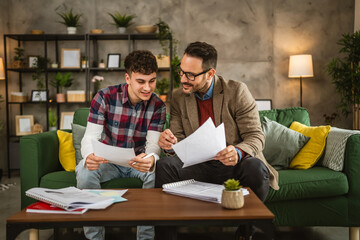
{"points": [[66, 120], [38, 95], [33, 61], [264, 104], [113, 60], [24, 124], [70, 58]]}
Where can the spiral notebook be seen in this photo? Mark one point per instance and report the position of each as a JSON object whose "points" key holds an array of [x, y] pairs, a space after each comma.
{"points": [[70, 198], [42, 207], [199, 190]]}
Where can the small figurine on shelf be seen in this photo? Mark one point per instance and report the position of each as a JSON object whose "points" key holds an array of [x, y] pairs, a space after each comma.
{"points": [[97, 82], [102, 64]]}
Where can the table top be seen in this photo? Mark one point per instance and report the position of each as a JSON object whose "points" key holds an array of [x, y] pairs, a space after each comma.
{"points": [[154, 205]]}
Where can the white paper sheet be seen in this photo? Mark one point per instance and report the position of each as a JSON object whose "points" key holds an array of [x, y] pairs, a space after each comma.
{"points": [[202, 145], [115, 155]]}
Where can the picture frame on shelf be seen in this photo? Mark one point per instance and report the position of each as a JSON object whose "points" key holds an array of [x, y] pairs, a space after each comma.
{"points": [[39, 95], [33, 61], [113, 60], [66, 120], [264, 104], [70, 58], [24, 124]]}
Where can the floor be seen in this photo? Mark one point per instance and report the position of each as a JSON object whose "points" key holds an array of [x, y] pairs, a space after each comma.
{"points": [[10, 199]]}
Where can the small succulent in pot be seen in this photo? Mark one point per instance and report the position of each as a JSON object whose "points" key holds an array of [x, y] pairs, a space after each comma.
{"points": [[232, 185]]}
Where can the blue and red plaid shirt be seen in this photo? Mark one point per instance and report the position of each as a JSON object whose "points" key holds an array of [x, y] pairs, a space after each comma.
{"points": [[126, 125]]}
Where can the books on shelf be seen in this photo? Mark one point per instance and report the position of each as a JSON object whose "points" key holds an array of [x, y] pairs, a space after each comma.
{"points": [[42, 207], [70, 198], [199, 190]]}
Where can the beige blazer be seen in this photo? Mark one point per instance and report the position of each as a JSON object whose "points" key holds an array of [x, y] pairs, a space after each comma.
{"points": [[234, 106]]}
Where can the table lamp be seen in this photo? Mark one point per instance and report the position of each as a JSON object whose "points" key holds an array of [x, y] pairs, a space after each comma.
{"points": [[2, 71], [300, 66]]}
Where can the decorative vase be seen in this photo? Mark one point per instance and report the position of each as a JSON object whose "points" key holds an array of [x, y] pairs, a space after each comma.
{"points": [[102, 65], [232, 199], [122, 29], [71, 30], [60, 97]]}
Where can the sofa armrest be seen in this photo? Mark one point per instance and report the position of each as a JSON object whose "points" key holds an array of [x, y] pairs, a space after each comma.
{"points": [[352, 171], [39, 155]]}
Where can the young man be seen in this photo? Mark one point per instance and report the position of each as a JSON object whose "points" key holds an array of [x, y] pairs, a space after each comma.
{"points": [[129, 116], [205, 94]]}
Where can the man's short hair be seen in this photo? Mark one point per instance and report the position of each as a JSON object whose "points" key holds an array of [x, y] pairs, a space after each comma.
{"points": [[140, 61], [204, 51]]}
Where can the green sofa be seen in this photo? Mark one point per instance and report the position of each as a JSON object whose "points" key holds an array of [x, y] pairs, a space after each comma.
{"points": [[314, 197]]}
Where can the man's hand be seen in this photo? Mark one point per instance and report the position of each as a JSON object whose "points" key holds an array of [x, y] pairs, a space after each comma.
{"points": [[93, 162], [228, 156], [142, 164], [167, 140]]}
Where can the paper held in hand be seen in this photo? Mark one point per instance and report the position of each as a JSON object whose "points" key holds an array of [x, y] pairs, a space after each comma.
{"points": [[115, 155], [202, 145], [70, 198], [199, 190]]}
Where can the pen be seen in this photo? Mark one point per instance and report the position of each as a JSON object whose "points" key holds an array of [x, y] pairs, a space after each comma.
{"points": [[147, 156]]}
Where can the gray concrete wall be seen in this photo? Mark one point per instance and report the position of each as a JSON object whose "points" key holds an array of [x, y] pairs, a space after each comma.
{"points": [[254, 39]]}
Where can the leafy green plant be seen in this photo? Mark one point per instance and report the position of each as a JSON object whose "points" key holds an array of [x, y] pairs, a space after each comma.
{"points": [[52, 117], [70, 19], [62, 81], [19, 54], [122, 20], [39, 68], [165, 34], [345, 72], [162, 86], [232, 185]]}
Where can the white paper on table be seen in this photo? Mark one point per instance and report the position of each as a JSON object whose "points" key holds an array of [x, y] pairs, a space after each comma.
{"points": [[115, 155], [202, 145]]}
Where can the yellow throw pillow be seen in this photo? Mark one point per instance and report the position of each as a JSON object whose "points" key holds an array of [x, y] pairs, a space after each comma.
{"points": [[312, 151], [66, 151]]}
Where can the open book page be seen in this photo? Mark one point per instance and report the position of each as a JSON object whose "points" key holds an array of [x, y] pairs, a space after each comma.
{"points": [[70, 198], [115, 155], [198, 190]]}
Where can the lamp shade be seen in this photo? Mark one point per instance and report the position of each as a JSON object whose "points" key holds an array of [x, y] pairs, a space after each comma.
{"points": [[2, 71], [301, 66]]}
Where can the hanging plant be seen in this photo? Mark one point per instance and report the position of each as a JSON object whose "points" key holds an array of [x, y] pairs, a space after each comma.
{"points": [[39, 66]]}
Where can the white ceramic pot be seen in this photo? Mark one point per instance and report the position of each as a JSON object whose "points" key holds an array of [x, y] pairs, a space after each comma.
{"points": [[102, 65], [52, 128], [232, 199], [122, 29], [71, 30]]}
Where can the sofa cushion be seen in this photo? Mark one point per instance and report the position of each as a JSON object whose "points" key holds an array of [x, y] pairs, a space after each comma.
{"points": [[286, 116], [62, 179], [66, 151], [78, 132], [281, 144], [313, 150], [316, 182]]}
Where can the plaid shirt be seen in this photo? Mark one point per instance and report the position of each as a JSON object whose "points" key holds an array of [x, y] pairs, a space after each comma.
{"points": [[126, 125]]}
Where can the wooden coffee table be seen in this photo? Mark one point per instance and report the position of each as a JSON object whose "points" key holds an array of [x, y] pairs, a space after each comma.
{"points": [[147, 207]]}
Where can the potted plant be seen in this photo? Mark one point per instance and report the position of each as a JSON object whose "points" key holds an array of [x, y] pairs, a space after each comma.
{"points": [[345, 73], [122, 21], [232, 196], [52, 119], [39, 69], [102, 64], [61, 81], [70, 20], [165, 34], [19, 58], [162, 88]]}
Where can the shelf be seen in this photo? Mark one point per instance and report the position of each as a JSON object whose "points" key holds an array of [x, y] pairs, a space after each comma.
{"points": [[29, 102], [107, 69], [130, 36], [49, 69], [46, 37]]}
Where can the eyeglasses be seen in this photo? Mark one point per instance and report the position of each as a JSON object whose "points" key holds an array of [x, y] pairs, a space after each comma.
{"points": [[189, 75]]}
